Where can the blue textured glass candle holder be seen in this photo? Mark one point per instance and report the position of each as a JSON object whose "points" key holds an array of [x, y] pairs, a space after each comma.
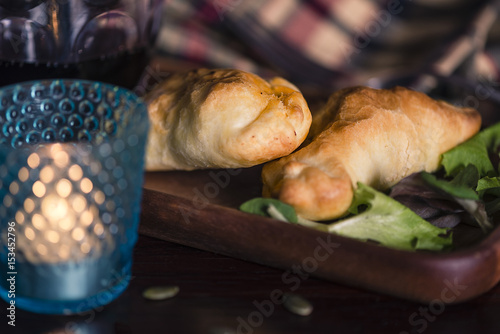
{"points": [[71, 174]]}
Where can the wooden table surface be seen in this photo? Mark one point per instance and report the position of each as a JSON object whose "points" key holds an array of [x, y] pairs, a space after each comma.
{"points": [[219, 294]]}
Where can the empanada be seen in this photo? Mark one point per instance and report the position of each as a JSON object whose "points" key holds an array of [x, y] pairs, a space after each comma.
{"points": [[223, 119], [376, 137]]}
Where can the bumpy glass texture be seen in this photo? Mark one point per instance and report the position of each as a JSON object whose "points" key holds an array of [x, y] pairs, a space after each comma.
{"points": [[101, 40], [71, 31], [71, 172]]}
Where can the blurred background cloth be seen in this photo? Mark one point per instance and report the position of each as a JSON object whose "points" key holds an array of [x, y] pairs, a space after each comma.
{"points": [[328, 44]]}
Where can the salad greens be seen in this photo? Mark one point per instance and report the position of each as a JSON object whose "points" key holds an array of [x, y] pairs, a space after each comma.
{"points": [[389, 222], [476, 151], [268, 207], [463, 190], [470, 178], [376, 217], [462, 185]]}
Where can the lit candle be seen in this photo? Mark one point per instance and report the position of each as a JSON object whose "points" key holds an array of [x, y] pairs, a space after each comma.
{"points": [[72, 157], [61, 237]]}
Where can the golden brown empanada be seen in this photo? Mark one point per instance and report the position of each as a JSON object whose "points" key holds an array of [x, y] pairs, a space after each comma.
{"points": [[376, 137], [223, 118]]}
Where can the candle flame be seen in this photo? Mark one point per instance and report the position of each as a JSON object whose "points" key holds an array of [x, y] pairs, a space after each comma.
{"points": [[54, 208]]}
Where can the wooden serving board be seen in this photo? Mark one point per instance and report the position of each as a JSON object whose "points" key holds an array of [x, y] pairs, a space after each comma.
{"points": [[199, 209]]}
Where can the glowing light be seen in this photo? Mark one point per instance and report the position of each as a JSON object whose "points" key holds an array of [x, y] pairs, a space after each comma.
{"points": [[78, 234], [64, 188], [29, 233], [19, 217], [86, 218], [47, 174], [54, 208], [85, 247], [75, 173], [99, 197], [52, 236], [33, 160], [67, 223], [79, 203], [86, 185], [38, 222], [14, 188], [23, 174], [39, 189], [61, 159], [29, 205], [98, 229]]}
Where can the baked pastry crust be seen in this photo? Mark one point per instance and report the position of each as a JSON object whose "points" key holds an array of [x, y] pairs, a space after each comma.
{"points": [[366, 135], [223, 118]]}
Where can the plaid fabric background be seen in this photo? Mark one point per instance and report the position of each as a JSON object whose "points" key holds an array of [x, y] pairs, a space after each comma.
{"points": [[333, 43]]}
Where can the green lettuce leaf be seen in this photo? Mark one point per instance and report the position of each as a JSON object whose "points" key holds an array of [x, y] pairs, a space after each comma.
{"points": [[463, 190], [463, 185], [474, 152], [476, 184], [390, 223], [262, 207], [488, 189], [488, 185], [376, 217]]}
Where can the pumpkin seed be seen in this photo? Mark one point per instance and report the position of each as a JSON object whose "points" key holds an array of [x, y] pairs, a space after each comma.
{"points": [[161, 292], [297, 304]]}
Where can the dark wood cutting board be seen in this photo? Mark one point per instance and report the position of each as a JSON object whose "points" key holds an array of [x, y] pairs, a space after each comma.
{"points": [[199, 209]]}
